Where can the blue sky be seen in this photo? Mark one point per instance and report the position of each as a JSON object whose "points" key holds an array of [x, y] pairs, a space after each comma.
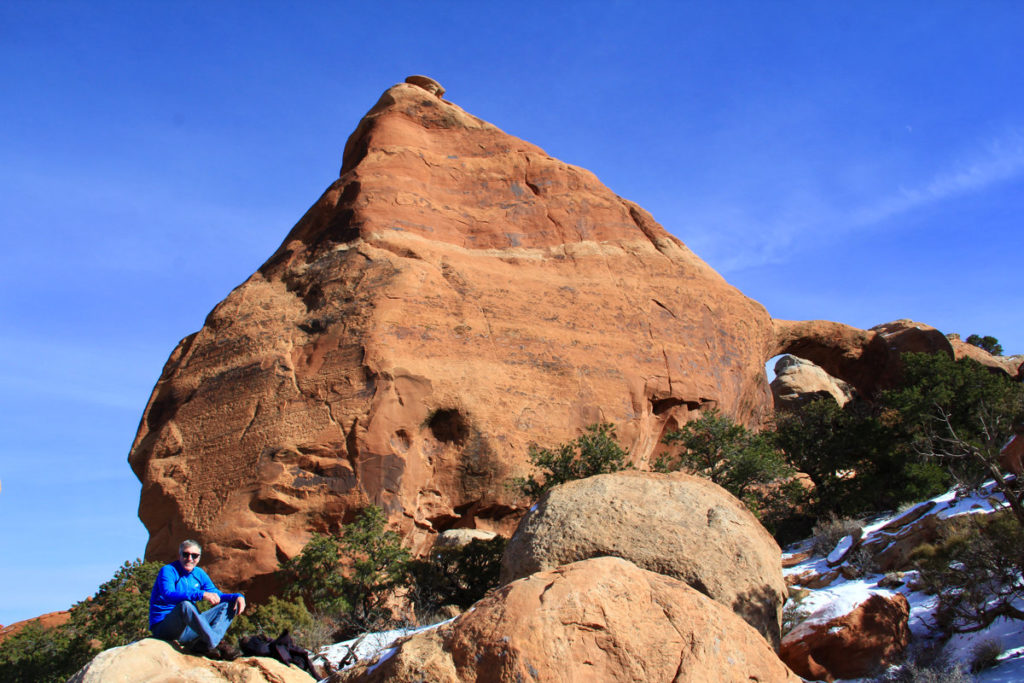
{"points": [[858, 162]]}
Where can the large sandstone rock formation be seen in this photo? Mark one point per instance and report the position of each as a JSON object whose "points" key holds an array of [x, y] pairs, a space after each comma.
{"points": [[603, 619], [674, 524], [157, 661], [454, 296]]}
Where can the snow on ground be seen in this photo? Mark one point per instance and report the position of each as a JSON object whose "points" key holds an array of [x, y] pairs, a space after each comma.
{"points": [[367, 646], [842, 595]]}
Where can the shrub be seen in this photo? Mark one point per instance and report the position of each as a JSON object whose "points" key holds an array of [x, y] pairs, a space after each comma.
{"points": [[921, 671], [859, 563], [455, 575], [990, 344], [357, 594], [594, 452], [793, 610], [925, 663], [827, 533], [985, 655], [116, 615], [39, 655], [314, 575], [976, 571]]}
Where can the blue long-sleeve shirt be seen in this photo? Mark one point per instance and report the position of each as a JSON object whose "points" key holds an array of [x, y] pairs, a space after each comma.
{"points": [[174, 585]]}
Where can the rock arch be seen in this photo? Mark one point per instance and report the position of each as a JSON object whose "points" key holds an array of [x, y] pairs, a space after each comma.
{"points": [[870, 359]]}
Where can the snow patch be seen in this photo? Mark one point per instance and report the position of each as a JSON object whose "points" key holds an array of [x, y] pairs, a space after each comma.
{"points": [[841, 549], [843, 596], [369, 645]]}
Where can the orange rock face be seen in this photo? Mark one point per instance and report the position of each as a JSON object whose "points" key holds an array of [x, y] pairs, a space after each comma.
{"points": [[453, 297], [853, 645], [602, 619], [45, 621]]}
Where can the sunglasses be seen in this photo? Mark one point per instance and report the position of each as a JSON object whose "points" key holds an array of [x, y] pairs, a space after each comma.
{"points": [[190, 556]]}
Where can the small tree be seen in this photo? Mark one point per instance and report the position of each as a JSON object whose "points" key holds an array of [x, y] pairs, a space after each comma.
{"points": [[455, 575], [737, 459], [975, 571], [314, 575], [379, 564], [963, 414], [594, 452], [350, 578], [116, 615], [857, 456], [990, 344], [744, 463]]}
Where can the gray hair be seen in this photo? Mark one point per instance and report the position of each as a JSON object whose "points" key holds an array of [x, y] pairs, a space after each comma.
{"points": [[189, 543]]}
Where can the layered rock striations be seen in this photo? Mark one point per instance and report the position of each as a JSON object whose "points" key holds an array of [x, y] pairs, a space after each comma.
{"points": [[456, 295]]}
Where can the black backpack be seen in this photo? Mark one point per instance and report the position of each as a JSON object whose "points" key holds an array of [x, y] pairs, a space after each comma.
{"points": [[282, 648]]}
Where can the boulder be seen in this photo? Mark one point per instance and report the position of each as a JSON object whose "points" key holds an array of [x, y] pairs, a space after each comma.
{"points": [[674, 524], [455, 296], [798, 381], [853, 645], [1011, 458], [157, 661], [456, 538], [602, 619]]}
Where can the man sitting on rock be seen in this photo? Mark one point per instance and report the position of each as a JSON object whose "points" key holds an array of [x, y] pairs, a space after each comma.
{"points": [[172, 606]]}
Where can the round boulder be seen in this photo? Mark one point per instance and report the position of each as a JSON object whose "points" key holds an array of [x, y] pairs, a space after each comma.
{"points": [[155, 661], [603, 619], [674, 524], [868, 638]]}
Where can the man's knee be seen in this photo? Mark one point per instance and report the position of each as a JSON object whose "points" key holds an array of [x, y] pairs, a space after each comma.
{"points": [[188, 608]]}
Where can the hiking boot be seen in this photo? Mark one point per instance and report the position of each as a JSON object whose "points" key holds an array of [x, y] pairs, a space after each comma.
{"points": [[227, 652], [202, 650]]}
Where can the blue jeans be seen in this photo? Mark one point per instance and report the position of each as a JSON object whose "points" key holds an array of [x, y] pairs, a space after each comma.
{"points": [[185, 624]]}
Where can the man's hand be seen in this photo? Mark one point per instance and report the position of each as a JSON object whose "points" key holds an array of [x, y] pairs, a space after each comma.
{"points": [[211, 598], [239, 604]]}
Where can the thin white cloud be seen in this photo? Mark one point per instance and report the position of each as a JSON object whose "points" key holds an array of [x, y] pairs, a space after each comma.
{"points": [[1003, 159], [734, 240]]}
